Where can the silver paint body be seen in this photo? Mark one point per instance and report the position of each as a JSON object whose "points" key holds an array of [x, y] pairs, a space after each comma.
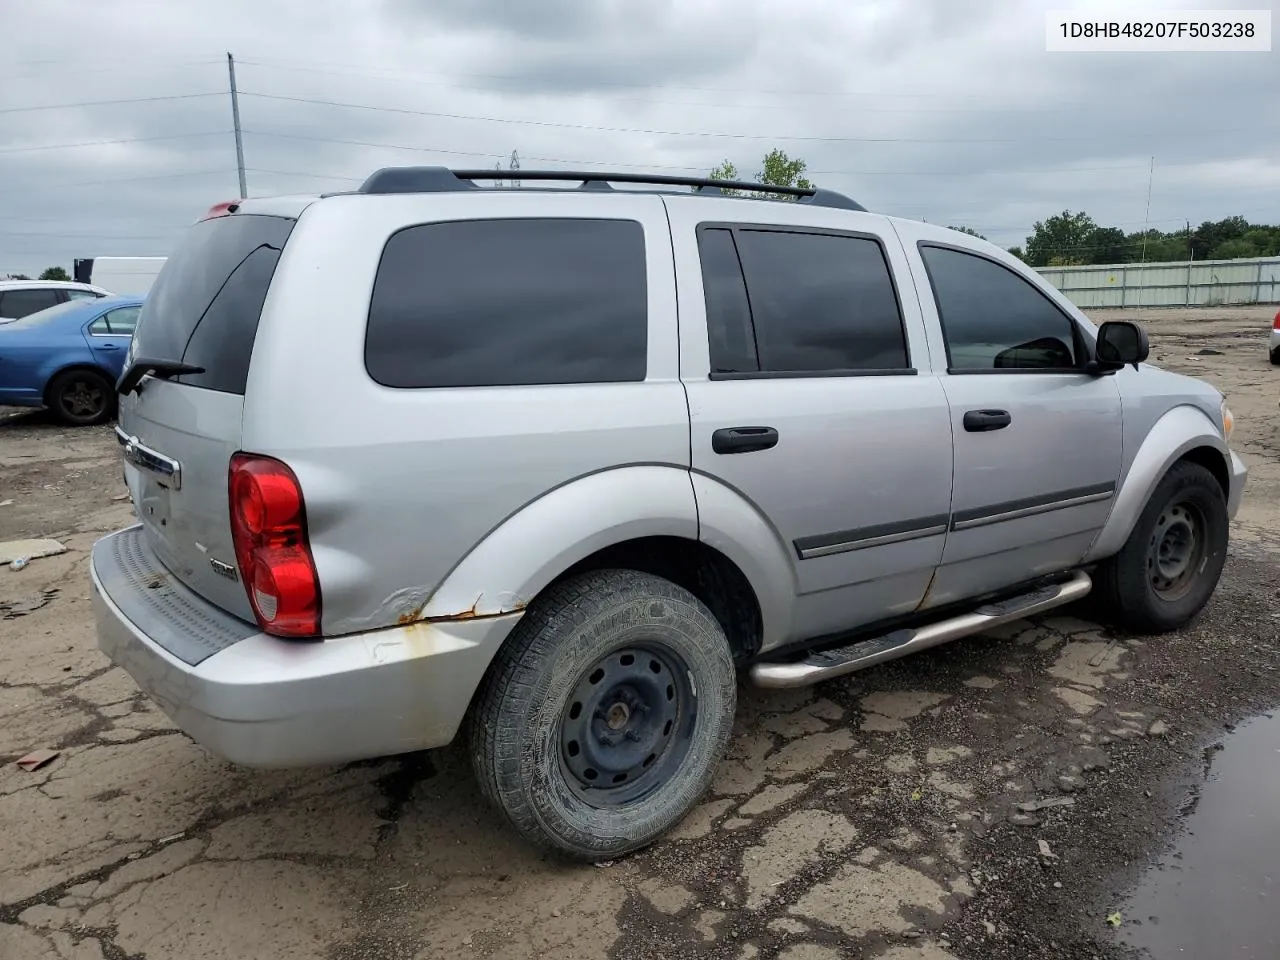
{"points": [[436, 515]]}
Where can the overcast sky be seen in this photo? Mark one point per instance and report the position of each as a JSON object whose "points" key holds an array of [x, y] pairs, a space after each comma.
{"points": [[946, 110]]}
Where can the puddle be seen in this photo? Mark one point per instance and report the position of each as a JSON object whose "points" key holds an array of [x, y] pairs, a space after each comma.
{"points": [[1217, 894]]}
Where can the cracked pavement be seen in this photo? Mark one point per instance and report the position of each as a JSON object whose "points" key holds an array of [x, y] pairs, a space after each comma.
{"points": [[991, 798]]}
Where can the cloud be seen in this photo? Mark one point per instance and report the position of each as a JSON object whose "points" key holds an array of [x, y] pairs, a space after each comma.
{"points": [[948, 110]]}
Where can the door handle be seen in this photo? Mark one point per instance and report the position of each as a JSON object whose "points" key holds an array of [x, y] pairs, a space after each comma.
{"points": [[980, 421], [108, 346], [743, 439]]}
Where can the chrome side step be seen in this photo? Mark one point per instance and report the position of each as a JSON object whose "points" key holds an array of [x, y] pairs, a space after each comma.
{"points": [[824, 664]]}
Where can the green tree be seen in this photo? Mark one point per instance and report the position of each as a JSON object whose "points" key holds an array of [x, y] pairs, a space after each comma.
{"points": [[1107, 245], [16, 276], [776, 169], [969, 230], [1233, 250], [1064, 235], [1017, 252], [779, 170], [1212, 234], [55, 273]]}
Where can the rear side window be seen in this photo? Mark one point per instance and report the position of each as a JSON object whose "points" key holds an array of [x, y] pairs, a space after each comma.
{"points": [[206, 302], [510, 302], [993, 319], [17, 304], [814, 303]]}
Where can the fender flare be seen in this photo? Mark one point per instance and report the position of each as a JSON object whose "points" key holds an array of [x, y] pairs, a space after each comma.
{"points": [[1174, 435], [522, 555]]}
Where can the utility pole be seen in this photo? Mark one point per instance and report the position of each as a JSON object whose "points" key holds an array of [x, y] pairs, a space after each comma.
{"points": [[235, 119], [515, 169], [1146, 222]]}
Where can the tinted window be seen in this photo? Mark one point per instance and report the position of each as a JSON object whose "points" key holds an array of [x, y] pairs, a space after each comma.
{"points": [[503, 302], [206, 302], [993, 319], [729, 336], [821, 302], [99, 327], [82, 295], [19, 303]]}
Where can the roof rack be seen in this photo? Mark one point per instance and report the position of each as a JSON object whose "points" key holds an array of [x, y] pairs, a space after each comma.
{"points": [[444, 180]]}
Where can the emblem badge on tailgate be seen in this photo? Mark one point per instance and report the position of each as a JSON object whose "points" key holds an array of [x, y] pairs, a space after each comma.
{"points": [[224, 569]]}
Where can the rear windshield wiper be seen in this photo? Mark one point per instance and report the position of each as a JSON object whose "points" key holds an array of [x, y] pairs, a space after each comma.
{"points": [[141, 366]]}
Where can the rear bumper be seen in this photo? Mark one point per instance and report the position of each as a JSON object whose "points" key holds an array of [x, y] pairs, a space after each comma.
{"points": [[264, 702]]}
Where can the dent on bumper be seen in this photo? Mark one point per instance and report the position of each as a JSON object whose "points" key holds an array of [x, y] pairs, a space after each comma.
{"points": [[265, 702]]}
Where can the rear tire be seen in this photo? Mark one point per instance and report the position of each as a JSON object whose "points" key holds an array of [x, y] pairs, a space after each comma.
{"points": [[1169, 567], [82, 398], [1275, 357], [601, 722]]}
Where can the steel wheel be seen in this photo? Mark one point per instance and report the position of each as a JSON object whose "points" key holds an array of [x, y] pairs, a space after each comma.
{"points": [[626, 725], [1176, 550]]}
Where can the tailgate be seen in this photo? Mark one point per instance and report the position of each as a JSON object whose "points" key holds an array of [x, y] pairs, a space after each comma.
{"points": [[178, 432]]}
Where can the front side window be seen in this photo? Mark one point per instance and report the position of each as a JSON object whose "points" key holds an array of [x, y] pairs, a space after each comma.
{"points": [[993, 319], [513, 302]]}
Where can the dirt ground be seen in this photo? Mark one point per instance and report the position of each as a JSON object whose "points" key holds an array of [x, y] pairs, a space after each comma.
{"points": [[994, 798]]}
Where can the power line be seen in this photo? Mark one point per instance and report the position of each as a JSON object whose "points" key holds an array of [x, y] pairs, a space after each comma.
{"points": [[104, 103], [104, 143], [417, 79], [693, 133], [658, 166], [357, 68], [100, 183], [86, 236]]}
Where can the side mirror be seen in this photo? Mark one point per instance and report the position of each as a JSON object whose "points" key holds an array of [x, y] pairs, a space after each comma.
{"points": [[1121, 342]]}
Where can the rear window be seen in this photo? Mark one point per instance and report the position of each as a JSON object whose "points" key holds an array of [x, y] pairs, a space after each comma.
{"points": [[205, 305], [510, 302]]}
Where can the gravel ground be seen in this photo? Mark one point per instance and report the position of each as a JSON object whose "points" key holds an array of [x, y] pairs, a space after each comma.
{"points": [[995, 798]]}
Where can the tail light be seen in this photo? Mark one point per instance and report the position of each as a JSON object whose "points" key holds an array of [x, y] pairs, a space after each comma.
{"points": [[1275, 324], [269, 529]]}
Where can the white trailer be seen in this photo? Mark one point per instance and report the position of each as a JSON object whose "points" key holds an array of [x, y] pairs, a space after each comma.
{"points": [[130, 276]]}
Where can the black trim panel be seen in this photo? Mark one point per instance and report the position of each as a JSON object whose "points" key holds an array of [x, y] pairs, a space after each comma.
{"points": [[843, 541], [1030, 506], [809, 374]]}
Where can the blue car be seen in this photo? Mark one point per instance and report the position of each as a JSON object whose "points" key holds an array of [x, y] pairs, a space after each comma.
{"points": [[68, 358]]}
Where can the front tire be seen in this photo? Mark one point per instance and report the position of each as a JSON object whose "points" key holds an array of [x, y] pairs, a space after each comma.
{"points": [[601, 721], [82, 398], [1170, 565]]}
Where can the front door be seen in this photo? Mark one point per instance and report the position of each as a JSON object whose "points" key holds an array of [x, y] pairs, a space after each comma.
{"points": [[1037, 439], [800, 347]]}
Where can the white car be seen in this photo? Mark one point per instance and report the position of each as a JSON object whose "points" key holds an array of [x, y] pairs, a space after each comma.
{"points": [[1275, 341], [19, 298]]}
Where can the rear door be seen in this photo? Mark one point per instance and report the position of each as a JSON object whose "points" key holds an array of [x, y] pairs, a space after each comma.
{"points": [[109, 336], [178, 435], [810, 395]]}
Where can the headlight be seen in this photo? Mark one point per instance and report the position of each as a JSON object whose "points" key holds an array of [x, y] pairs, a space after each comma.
{"points": [[1228, 421]]}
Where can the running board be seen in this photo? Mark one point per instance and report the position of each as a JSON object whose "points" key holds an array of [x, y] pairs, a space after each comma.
{"points": [[821, 665]]}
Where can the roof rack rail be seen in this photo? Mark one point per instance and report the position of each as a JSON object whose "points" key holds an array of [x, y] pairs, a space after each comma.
{"points": [[444, 180]]}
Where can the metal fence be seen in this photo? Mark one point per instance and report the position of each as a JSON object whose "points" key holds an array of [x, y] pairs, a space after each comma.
{"points": [[1202, 283]]}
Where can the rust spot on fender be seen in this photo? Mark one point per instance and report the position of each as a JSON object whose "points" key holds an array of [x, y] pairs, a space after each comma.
{"points": [[414, 616]]}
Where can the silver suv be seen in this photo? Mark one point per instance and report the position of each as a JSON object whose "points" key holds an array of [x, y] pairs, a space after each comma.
{"points": [[546, 466]]}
